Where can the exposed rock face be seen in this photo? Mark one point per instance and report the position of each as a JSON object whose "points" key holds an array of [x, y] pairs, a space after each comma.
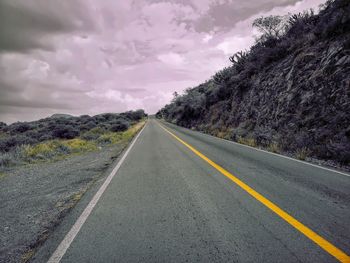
{"points": [[303, 101], [300, 102]]}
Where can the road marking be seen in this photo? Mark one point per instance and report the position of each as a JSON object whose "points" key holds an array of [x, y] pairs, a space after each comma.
{"points": [[68, 239], [323, 243], [276, 154]]}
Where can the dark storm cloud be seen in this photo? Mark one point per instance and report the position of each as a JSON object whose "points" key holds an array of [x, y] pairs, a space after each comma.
{"points": [[13, 95], [24, 25]]}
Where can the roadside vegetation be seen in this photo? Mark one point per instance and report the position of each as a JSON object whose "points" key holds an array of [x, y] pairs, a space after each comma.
{"points": [[289, 93], [58, 137], [75, 152]]}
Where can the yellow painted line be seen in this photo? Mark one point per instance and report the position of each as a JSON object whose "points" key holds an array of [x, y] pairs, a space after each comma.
{"points": [[323, 243]]}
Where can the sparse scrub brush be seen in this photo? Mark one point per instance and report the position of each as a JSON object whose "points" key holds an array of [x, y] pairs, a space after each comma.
{"points": [[226, 134], [5, 160], [11, 158], [40, 151], [109, 138], [302, 153], [97, 130], [89, 136], [273, 147], [247, 141]]}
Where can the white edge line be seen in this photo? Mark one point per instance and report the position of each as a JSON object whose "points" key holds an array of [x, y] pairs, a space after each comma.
{"points": [[68, 239], [276, 154]]}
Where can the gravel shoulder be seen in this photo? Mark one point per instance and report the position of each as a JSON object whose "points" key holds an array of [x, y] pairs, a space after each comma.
{"points": [[35, 198]]}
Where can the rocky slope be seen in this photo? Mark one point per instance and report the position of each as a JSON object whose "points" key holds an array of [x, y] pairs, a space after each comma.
{"points": [[290, 94]]}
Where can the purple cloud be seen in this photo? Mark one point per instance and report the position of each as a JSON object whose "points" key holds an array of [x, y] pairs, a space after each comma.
{"points": [[89, 57]]}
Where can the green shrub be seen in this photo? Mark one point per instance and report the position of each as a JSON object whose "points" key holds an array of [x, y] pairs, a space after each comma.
{"points": [[88, 126], [119, 125], [65, 132], [18, 127], [10, 142]]}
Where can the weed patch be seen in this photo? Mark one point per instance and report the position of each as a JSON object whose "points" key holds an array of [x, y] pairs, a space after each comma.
{"points": [[28, 255], [273, 147], [302, 153], [247, 141], [41, 150], [109, 138], [79, 145]]}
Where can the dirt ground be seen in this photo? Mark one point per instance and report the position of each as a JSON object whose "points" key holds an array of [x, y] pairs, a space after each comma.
{"points": [[35, 198]]}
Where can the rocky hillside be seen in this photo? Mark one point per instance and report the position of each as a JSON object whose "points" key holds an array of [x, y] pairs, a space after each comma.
{"points": [[289, 93]]}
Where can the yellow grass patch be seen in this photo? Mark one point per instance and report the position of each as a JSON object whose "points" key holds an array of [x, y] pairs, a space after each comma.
{"points": [[247, 141]]}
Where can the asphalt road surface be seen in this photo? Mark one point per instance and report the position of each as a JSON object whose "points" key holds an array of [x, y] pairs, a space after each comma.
{"points": [[182, 196]]}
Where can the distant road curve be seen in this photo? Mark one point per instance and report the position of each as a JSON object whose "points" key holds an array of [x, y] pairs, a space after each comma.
{"points": [[182, 196]]}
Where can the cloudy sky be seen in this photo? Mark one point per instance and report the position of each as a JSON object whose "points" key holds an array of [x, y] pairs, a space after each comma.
{"points": [[94, 56]]}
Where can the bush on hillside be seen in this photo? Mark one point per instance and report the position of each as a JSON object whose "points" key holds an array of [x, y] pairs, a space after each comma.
{"points": [[65, 132], [2, 125], [10, 142], [88, 126], [64, 127], [119, 125], [134, 115], [19, 127]]}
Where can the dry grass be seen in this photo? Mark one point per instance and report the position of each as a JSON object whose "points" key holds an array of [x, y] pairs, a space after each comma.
{"points": [[247, 141], [116, 137], [224, 134], [40, 150], [133, 130], [48, 149], [273, 147], [302, 153], [76, 197], [79, 145], [220, 134], [55, 149], [27, 255]]}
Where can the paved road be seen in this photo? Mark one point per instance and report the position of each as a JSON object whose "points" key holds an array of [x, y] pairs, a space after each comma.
{"points": [[167, 204]]}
